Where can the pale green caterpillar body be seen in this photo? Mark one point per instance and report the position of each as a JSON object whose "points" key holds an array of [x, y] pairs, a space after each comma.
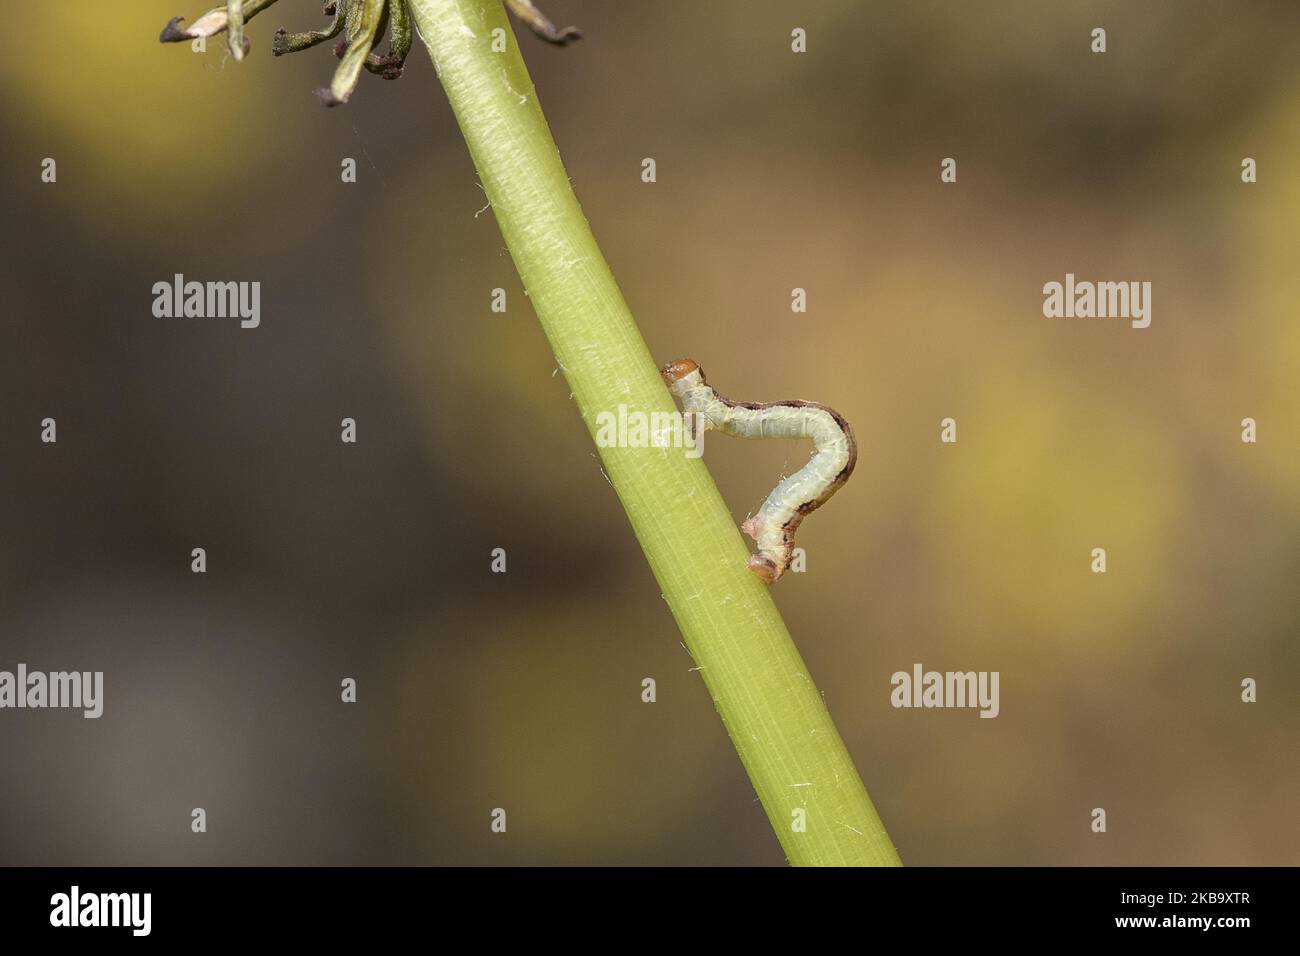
{"points": [[835, 452]]}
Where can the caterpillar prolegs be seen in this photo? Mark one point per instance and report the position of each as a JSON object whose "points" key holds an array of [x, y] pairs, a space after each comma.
{"points": [[835, 452]]}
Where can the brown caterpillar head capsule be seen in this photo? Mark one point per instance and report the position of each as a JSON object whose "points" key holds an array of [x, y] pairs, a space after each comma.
{"points": [[678, 369]]}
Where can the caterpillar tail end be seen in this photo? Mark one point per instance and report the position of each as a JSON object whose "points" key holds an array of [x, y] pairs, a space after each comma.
{"points": [[767, 569]]}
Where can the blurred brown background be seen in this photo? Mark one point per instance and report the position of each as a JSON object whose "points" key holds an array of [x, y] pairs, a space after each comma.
{"points": [[521, 690]]}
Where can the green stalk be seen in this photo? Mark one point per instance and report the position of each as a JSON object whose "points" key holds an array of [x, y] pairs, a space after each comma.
{"points": [[776, 718]]}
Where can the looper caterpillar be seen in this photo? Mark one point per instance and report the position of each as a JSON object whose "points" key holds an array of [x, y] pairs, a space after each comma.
{"points": [[835, 452]]}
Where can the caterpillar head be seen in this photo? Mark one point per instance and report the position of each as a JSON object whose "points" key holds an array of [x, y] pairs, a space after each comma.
{"points": [[682, 375], [679, 369]]}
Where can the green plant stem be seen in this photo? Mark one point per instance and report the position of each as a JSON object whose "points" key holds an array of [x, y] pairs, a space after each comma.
{"points": [[776, 718]]}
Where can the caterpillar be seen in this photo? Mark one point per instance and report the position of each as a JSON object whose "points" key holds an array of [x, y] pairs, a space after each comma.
{"points": [[835, 452]]}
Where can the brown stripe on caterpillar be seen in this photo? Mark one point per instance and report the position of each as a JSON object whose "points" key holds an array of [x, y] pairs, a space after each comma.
{"points": [[796, 496]]}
